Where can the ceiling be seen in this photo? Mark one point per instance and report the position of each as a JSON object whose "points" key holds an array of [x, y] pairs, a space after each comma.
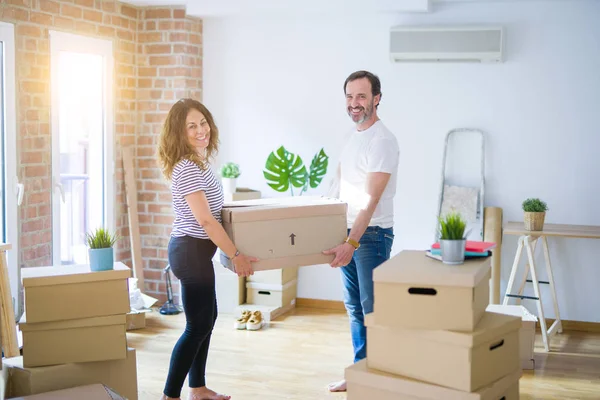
{"points": [[213, 8]]}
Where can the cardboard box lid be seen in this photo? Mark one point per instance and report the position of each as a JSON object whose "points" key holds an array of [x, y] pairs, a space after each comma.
{"points": [[88, 392], [414, 267], [491, 325], [119, 319], [361, 374], [512, 309], [66, 274], [281, 208]]}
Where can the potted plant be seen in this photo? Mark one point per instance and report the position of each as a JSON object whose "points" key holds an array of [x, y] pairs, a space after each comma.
{"points": [[100, 243], [229, 174], [534, 214], [452, 238]]}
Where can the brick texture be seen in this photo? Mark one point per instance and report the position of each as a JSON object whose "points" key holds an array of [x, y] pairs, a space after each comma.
{"points": [[158, 55]]}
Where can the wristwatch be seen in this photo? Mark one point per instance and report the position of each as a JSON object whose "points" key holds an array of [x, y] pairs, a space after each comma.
{"points": [[354, 243]]}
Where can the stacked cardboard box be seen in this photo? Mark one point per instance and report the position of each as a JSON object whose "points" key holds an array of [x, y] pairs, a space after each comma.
{"points": [[430, 336], [74, 331]]}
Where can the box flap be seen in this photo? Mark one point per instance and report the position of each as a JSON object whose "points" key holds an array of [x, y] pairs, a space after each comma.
{"points": [[271, 286], [71, 323], [492, 325], [359, 373], [89, 392], [414, 267], [512, 309], [66, 274], [281, 208]]}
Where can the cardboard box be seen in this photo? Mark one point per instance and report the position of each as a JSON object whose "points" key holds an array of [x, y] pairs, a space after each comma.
{"points": [[120, 375], [73, 292], [76, 340], [415, 291], [135, 320], [285, 232], [89, 392], [465, 361], [272, 295], [526, 333], [242, 194], [274, 276], [366, 384]]}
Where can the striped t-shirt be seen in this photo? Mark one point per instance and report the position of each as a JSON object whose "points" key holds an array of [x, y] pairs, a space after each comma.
{"points": [[188, 178]]}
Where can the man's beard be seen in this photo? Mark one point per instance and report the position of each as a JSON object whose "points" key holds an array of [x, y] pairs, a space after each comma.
{"points": [[366, 114]]}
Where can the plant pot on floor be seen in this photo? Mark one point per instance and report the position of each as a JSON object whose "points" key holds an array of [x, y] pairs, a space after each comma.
{"points": [[229, 185], [101, 259], [453, 251], [534, 221]]}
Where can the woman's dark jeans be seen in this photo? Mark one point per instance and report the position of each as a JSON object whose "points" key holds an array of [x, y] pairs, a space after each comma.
{"points": [[191, 262]]}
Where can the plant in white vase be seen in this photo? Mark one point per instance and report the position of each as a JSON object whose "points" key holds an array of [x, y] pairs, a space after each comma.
{"points": [[229, 173], [452, 238]]}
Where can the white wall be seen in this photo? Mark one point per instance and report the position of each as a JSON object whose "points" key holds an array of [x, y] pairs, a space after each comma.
{"points": [[273, 81]]}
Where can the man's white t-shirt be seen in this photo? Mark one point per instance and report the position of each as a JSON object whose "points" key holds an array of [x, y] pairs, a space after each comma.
{"points": [[372, 150]]}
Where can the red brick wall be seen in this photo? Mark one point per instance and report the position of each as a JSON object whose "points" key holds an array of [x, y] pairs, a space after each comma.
{"points": [[149, 76]]}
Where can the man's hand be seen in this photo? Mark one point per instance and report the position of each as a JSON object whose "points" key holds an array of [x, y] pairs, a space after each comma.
{"points": [[343, 254]]}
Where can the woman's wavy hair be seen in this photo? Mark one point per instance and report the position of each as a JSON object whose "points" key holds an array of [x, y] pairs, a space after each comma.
{"points": [[173, 144]]}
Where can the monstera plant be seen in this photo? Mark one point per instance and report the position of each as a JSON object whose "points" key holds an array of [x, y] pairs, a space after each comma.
{"points": [[285, 171]]}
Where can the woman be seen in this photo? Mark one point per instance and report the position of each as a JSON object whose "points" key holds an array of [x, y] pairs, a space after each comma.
{"points": [[188, 141]]}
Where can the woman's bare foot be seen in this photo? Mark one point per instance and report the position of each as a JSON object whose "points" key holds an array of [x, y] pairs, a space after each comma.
{"points": [[204, 393], [337, 386]]}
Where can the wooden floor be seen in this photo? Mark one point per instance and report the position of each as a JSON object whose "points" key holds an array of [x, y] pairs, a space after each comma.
{"points": [[299, 353]]}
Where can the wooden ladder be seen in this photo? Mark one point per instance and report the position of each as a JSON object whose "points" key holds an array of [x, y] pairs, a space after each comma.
{"points": [[8, 326]]}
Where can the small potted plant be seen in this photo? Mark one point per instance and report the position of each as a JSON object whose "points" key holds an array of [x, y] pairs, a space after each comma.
{"points": [[229, 174], [100, 243], [452, 238], [534, 214]]}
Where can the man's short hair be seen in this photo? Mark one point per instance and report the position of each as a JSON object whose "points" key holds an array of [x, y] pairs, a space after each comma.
{"points": [[374, 79]]}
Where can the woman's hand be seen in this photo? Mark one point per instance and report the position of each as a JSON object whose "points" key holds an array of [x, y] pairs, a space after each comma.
{"points": [[242, 264]]}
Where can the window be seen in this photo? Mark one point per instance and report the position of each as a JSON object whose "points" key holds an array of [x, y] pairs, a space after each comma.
{"points": [[82, 143], [10, 188]]}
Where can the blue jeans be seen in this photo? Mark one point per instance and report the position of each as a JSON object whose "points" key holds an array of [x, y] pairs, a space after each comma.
{"points": [[357, 278]]}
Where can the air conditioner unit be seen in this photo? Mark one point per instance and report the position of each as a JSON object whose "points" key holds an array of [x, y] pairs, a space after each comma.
{"points": [[447, 44]]}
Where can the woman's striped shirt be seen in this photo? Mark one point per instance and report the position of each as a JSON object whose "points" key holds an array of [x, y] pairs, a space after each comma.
{"points": [[189, 178]]}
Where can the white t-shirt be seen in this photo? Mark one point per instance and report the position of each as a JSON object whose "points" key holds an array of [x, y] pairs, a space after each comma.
{"points": [[372, 150]]}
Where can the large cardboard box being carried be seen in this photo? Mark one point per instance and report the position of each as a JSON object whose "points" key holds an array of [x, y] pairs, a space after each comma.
{"points": [[74, 291], [120, 375], [466, 361], [88, 392], [526, 333], [364, 383], [74, 340], [416, 291], [285, 232]]}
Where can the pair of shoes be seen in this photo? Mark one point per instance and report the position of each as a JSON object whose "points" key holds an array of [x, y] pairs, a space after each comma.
{"points": [[250, 320]]}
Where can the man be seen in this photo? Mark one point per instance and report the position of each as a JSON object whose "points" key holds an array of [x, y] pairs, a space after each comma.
{"points": [[366, 178]]}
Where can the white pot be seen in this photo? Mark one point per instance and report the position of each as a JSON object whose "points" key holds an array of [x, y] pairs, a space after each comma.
{"points": [[229, 185]]}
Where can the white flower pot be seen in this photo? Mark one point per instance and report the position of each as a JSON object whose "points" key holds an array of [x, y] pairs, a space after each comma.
{"points": [[229, 185]]}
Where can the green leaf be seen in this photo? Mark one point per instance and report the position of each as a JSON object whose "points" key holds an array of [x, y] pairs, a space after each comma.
{"points": [[318, 168], [452, 227], [283, 169], [100, 238]]}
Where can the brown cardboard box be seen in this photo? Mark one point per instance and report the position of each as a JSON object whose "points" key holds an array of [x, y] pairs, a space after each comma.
{"points": [[75, 340], [415, 291], [526, 333], [242, 194], [135, 320], [120, 375], [73, 292], [366, 384], [89, 392], [271, 294], [285, 232], [466, 361], [275, 276]]}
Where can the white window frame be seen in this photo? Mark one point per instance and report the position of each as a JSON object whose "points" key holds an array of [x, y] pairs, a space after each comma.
{"points": [[14, 189], [62, 41]]}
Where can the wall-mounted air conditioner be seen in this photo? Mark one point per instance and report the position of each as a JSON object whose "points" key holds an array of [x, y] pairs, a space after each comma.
{"points": [[447, 44]]}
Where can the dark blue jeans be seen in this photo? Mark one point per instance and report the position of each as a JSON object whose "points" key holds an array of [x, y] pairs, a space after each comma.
{"points": [[357, 278], [191, 263]]}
